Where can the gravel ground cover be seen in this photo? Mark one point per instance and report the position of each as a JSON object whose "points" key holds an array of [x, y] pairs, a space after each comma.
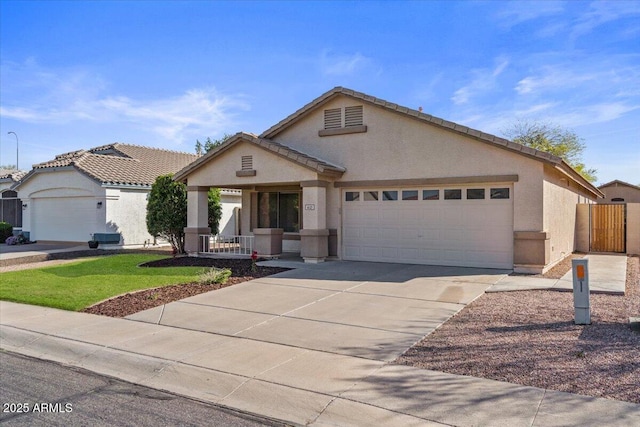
{"points": [[133, 302], [529, 338]]}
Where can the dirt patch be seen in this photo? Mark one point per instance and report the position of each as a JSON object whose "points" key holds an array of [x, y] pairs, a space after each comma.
{"points": [[134, 302], [529, 338]]}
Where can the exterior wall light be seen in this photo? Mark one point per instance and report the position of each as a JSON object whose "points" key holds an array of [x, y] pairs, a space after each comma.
{"points": [[99, 205]]}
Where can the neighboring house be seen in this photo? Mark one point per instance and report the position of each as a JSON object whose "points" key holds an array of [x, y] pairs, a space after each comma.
{"points": [[620, 192], [356, 177], [10, 204], [103, 190]]}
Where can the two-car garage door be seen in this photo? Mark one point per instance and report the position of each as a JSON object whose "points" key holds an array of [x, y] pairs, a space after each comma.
{"points": [[464, 226]]}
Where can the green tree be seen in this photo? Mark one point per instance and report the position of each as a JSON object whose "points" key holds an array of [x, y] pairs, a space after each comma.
{"points": [[210, 144], [167, 211], [215, 210], [552, 139]]}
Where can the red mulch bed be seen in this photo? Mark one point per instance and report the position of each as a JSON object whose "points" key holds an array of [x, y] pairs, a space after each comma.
{"points": [[130, 303]]}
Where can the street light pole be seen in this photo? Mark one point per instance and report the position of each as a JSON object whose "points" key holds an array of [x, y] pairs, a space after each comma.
{"points": [[16, 135]]}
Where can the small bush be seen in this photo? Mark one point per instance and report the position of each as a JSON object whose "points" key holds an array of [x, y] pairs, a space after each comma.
{"points": [[6, 230], [214, 275]]}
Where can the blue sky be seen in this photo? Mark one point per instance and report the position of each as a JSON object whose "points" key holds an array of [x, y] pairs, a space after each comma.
{"points": [[82, 74]]}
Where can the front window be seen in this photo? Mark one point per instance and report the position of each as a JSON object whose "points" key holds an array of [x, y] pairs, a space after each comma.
{"points": [[279, 210]]}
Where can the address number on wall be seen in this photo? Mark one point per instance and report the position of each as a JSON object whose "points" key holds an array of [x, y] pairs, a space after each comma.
{"points": [[309, 207]]}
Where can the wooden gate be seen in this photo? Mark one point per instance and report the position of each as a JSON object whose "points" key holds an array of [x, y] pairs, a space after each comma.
{"points": [[608, 228]]}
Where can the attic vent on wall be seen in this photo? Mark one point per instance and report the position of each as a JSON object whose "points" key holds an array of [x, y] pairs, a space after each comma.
{"points": [[335, 123], [333, 118], [246, 166], [353, 116], [247, 163]]}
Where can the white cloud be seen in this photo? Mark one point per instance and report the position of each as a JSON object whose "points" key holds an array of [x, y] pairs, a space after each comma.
{"points": [[484, 80], [343, 65], [601, 12], [64, 96], [572, 91], [551, 77], [516, 12]]}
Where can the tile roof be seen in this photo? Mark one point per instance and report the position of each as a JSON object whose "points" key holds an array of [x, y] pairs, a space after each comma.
{"points": [[120, 164], [617, 182], [11, 175], [305, 160]]}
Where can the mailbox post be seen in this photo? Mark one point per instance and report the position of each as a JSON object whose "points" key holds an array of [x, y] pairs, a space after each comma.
{"points": [[581, 303]]}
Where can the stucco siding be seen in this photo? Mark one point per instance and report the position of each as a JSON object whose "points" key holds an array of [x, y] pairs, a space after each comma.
{"points": [[228, 221], [560, 201], [126, 213], [629, 194], [269, 167], [633, 228], [398, 147]]}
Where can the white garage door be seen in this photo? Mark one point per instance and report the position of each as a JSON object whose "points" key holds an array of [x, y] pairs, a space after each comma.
{"points": [[462, 226], [66, 219]]}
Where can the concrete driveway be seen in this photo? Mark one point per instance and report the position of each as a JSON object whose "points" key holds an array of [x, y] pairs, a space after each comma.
{"points": [[367, 310], [37, 247]]}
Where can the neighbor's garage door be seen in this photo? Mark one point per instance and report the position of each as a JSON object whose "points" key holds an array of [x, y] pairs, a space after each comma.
{"points": [[461, 226], [67, 219]]}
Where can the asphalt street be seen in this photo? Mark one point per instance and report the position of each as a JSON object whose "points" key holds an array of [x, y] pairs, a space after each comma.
{"points": [[40, 393]]}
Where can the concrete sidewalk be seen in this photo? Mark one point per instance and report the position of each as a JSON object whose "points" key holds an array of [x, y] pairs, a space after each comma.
{"points": [[299, 386], [607, 274]]}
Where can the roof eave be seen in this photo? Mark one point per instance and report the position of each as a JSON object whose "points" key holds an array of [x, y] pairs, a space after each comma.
{"points": [[182, 174], [312, 164], [567, 170], [622, 183]]}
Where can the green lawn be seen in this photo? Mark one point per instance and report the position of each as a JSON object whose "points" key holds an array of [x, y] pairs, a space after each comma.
{"points": [[80, 284]]}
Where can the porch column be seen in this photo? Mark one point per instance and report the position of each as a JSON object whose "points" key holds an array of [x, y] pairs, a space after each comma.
{"points": [[197, 218], [314, 237]]}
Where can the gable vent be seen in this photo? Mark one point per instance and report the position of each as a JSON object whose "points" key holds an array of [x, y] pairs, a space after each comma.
{"points": [[353, 116], [247, 163], [333, 118]]}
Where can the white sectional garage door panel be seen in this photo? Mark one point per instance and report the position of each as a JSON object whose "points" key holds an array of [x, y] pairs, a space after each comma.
{"points": [[474, 233], [67, 219]]}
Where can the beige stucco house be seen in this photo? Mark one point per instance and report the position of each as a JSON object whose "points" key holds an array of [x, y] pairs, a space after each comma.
{"points": [[619, 192], [101, 192], [359, 178]]}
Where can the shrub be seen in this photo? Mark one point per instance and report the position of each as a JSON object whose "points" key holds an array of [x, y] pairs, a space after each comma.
{"points": [[214, 275], [6, 230]]}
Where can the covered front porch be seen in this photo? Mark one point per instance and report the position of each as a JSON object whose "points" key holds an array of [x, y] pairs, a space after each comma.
{"points": [[284, 200]]}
